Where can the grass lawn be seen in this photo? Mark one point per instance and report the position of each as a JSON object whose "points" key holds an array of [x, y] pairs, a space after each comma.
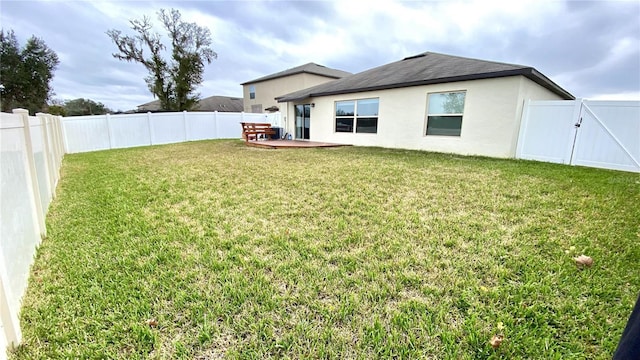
{"points": [[212, 249]]}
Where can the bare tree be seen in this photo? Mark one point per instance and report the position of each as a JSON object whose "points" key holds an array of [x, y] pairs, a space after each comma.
{"points": [[173, 81]]}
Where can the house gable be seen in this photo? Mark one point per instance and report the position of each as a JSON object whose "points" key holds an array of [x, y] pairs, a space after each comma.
{"points": [[309, 68], [260, 94]]}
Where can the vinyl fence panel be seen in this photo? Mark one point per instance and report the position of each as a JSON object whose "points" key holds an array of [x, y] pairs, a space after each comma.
{"points": [[127, 131], [609, 135], [101, 132], [547, 131], [19, 233], [228, 125], [202, 126], [167, 128], [603, 134], [31, 151], [86, 133], [38, 145]]}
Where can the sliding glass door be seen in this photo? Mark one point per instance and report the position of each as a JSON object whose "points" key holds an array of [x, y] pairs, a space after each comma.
{"points": [[303, 120]]}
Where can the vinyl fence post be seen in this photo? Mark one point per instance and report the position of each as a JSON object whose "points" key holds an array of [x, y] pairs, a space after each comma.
{"points": [[150, 128], [8, 316], [522, 133], [242, 120], [58, 151], [575, 137], [54, 141], [215, 125], [109, 131], [47, 149], [63, 132], [60, 146], [31, 172], [61, 139], [185, 125]]}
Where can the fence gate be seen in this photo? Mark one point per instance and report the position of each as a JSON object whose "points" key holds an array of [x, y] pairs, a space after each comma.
{"points": [[608, 136], [603, 134]]}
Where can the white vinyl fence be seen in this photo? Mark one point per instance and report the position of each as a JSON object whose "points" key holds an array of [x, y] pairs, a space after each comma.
{"points": [[31, 151], [602, 134], [102, 132]]}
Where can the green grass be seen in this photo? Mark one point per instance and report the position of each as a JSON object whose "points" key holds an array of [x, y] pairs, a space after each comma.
{"points": [[354, 252]]}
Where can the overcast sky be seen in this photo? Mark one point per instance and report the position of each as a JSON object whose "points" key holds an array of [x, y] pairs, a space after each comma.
{"points": [[590, 48]]}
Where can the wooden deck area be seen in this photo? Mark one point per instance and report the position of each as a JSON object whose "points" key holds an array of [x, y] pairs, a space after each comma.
{"points": [[290, 144]]}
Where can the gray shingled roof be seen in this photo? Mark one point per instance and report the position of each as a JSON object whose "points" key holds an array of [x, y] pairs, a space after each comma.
{"points": [[220, 103], [211, 103], [310, 68], [423, 69]]}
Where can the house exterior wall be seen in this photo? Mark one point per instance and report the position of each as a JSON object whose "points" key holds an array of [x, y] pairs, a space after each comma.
{"points": [[490, 124], [267, 91]]}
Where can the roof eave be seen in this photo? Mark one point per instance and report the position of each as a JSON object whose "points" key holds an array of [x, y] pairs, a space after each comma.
{"points": [[267, 78], [285, 99], [540, 79]]}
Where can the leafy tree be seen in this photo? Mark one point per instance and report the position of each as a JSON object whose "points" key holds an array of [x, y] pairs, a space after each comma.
{"points": [[56, 107], [57, 110], [173, 81], [25, 74], [10, 63], [81, 106]]}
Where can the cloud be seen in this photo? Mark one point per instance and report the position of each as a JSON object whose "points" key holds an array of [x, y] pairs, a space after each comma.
{"points": [[591, 48], [616, 96]]}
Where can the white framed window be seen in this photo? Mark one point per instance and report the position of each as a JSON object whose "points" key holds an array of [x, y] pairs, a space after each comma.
{"points": [[359, 115], [444, 113], [252, 92]]}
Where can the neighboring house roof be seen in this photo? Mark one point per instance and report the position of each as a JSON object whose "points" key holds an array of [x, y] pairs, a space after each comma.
{"points": [[424, 69], [310, 68], [211, 103], [220, 103], [150, 106]]}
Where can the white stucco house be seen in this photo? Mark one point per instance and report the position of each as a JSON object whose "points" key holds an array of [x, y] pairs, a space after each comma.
{"points": [[430, 101]]}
